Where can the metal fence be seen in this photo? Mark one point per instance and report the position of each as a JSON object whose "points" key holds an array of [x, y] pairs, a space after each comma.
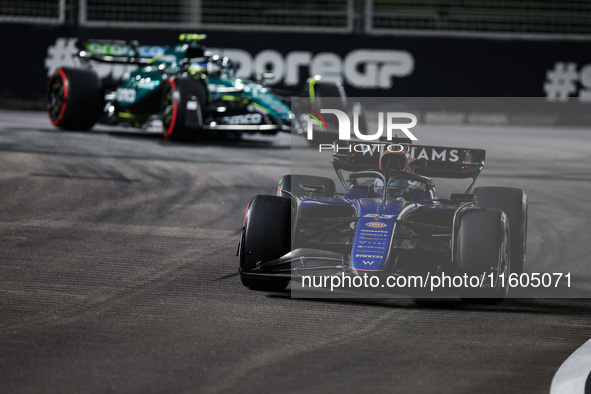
{"points": [[492, 17], [514, 18], [279, 15], [35, 11]]}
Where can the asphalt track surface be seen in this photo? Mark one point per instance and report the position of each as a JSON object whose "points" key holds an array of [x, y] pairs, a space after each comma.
{"points": [[118, 273]]}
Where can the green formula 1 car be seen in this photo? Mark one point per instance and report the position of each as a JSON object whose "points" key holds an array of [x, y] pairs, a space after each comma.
{"points": [[184, 91]]}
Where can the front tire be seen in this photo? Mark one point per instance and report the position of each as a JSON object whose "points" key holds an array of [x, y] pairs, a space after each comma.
{"points": [[74, 98], [483, 248], [325, 94], [266, 236], [513, 202], [182, 108]]}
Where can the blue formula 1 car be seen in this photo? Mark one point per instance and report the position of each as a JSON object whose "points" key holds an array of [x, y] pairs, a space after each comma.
{"points": [[185, 91], [389, 222]]}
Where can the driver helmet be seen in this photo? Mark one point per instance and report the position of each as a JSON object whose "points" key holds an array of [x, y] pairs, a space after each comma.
{"points": [[395, 189]]}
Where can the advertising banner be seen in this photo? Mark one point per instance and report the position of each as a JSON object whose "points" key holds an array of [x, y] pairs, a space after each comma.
{"points": [[378, 66]]}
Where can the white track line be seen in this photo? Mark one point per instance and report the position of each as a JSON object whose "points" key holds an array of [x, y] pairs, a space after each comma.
{"points": [[572, 374]]}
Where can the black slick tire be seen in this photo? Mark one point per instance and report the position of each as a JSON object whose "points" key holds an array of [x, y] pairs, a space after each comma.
{"points": [[266, 236], [483, 250], [74, 98], [513, 202], [182, 108]]}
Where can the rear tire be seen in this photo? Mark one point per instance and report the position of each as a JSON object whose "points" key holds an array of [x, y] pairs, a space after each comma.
{"points": [[513, 202], [295, 183], [483, 247], [266, 236], [74, 98], [182, 108]]}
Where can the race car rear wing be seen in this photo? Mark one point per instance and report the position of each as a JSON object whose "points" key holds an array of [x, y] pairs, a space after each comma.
{"points": [[111, 51], [430, 161]]}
